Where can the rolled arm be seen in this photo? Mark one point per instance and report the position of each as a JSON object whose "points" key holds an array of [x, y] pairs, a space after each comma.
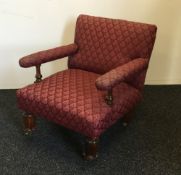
{"points": [[110, 79], [48, 55]]}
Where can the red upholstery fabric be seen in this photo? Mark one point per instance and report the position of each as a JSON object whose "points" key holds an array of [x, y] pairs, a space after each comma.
{"points": [[105, 55], [106, 43], [71, 99], [121, 74], [47, 55]]}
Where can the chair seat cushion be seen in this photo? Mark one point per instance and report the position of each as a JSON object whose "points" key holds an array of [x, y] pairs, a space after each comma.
{"points": [[70, 99]]}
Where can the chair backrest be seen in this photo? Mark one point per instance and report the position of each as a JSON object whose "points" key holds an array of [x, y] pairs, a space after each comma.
{"points": [[107, 43]]}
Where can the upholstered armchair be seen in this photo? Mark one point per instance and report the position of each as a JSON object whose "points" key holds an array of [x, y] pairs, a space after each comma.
{"points": [[107, 65]]}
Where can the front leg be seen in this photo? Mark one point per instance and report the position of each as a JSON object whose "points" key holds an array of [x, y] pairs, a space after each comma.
{"points": [[91, 148], [29, 123]]}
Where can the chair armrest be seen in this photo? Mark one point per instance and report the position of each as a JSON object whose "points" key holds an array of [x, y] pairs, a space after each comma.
{"points": [[47, 55], [110, 79]]}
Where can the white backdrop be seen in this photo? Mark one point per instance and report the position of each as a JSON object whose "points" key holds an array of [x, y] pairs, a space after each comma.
{"points": [[27, 26]]}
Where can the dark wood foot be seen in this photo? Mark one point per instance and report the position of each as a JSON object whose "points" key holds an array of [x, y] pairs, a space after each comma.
{"points": [[29, 124], [127, 119], [91, 149]]}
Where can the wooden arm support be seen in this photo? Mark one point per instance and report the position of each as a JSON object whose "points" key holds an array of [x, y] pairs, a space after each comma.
{"points": [[38, 75], [109, 98]]}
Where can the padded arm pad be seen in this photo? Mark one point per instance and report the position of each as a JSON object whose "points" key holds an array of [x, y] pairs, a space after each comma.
{"points": [[47, 55], [110, 79]]}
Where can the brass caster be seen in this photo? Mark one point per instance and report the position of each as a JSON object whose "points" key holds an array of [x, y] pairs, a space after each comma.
{"points": [[125, 124], [89, 157], [28, 132]]}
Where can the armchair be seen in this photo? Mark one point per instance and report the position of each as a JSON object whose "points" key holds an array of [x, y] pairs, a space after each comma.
{"points": [[106, 71]]}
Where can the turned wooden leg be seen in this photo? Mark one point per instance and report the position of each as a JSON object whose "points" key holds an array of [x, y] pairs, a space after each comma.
{"points": [[127, 118], [29, 123], [91, 148]]}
